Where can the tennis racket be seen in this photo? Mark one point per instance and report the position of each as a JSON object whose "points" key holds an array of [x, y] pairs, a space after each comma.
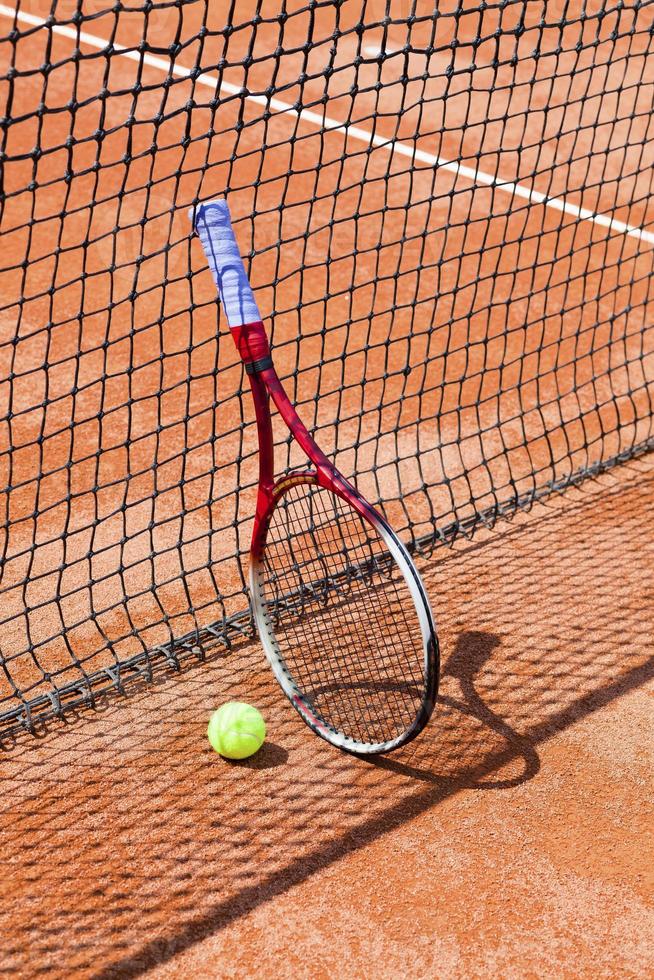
{"points": [[339, 606]]}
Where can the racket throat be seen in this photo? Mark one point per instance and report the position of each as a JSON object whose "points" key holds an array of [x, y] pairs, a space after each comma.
{"points": [[261, 401]]}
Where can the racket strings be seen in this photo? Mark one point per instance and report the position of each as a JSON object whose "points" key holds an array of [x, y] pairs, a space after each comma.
{"points": [[343, 616]]}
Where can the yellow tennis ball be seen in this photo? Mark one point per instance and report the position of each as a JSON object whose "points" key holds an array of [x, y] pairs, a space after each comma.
{"points": [[236, 730]]}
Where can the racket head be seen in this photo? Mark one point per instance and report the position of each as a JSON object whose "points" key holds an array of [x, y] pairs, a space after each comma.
{"points": [[343, 616]]}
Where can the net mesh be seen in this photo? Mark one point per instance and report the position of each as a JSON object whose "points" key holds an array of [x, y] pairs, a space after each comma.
{"points": [[451, 207]]}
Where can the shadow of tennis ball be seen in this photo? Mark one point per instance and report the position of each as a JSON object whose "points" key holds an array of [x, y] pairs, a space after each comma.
{"points": [[269, 756]]}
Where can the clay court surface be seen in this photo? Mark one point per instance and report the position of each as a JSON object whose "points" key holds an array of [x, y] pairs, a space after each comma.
{"points": [[462, 350], [462, 347], [512, 839]]}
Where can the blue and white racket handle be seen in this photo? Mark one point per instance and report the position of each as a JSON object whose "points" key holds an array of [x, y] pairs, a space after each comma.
{"points": [[213, 224]]}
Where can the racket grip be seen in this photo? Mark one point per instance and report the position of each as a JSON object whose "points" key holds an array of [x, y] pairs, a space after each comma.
{"points": [[212, 222]]}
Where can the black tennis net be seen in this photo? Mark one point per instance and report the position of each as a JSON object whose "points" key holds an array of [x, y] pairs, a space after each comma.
{"points": [[447, 214]]}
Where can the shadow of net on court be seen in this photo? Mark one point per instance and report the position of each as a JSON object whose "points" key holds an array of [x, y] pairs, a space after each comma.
{"points": [[469, 269], [129, 840]]}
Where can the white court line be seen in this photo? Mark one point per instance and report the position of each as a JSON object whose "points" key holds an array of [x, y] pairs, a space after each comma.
{"points": [[374, 50], [326, 123]]}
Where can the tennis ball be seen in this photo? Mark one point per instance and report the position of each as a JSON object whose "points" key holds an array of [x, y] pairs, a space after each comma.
{"points": [[236, 730]]}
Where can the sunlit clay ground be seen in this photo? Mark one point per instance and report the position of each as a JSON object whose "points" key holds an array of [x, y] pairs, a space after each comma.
{"points": [[510, 839]]}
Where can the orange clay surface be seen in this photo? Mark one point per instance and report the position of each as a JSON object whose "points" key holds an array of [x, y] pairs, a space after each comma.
{"points": [[512, 839], [126, 499]]}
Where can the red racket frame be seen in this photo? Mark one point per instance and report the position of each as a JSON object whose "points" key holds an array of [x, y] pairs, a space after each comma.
{"points": [[252, 344]]}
